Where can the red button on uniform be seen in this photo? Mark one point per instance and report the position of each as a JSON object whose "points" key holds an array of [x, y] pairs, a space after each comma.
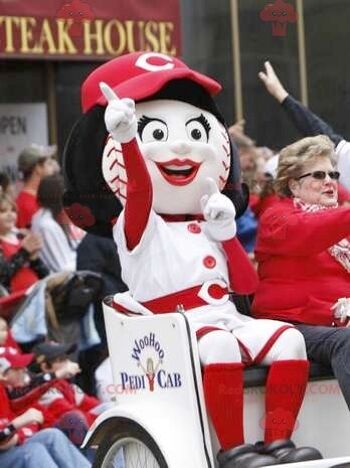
{"points": [[209, 261], [194, 228]]}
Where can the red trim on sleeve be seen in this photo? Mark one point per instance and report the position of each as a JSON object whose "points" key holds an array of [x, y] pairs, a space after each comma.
{"points": [[243, 277]]}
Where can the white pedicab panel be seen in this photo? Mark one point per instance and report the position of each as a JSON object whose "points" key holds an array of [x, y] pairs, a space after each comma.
{"points": [[154, 367]]}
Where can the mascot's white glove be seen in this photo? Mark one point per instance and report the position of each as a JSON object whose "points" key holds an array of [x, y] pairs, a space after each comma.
{"points": [[219, 212], [120, 118]]}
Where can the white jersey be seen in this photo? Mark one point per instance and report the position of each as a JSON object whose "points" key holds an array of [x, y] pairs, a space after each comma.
{"points": [[170, 257]]}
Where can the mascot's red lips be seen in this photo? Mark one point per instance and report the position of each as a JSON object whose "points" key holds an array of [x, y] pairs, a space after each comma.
{"points": [[178, 172]]}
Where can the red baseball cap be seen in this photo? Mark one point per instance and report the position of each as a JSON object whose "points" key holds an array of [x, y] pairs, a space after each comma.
{"points": [[140, 75], [9, 357]]}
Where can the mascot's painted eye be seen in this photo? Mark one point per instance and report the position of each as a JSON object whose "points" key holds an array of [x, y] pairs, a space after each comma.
{"points": [[152, 129], [198, 129]]}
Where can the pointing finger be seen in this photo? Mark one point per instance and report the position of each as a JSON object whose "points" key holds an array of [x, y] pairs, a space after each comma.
{"points": [[108, 92]]}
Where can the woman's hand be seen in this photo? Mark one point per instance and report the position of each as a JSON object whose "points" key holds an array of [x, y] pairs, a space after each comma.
{"points": [[32, 243], [272, 83], [68, 370]]}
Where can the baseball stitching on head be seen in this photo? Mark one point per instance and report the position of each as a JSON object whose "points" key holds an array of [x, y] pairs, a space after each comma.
{"points": [[113, 169], [226, 161]]}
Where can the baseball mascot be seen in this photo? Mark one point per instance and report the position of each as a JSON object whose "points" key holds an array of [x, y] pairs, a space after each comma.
{"points": [[151, 162]]}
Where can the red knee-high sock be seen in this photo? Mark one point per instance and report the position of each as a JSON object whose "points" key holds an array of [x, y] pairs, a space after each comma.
{"points": [[285, 389], [223, 391]]}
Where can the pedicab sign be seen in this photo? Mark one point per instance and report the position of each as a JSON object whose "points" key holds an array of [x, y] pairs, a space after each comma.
{"points": [[82, 29], [149, 355]]}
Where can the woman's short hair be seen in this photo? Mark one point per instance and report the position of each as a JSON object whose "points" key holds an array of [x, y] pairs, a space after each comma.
{"points": [[292, 160]]}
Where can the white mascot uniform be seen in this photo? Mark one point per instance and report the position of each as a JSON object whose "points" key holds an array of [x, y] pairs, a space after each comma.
{"points": [[167, 159]]}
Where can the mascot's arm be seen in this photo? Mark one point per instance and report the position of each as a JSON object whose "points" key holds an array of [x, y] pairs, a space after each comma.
{"points": [[120, 120], [243, 277], [138, 194], [220, 226]]}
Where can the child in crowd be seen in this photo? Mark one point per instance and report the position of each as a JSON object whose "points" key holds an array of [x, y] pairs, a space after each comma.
{"points": [[66, 405], [20, 266], [24, 388]]}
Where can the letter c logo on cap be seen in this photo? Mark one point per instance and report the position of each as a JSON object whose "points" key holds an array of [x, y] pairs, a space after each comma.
{"points": [[142, 62]]}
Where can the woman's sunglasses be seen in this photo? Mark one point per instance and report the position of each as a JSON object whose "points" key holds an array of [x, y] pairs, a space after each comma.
{"points": [[321, 175]]}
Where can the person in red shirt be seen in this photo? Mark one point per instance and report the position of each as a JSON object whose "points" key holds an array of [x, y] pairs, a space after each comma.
{"points": [[303, 254], [34, 163]]}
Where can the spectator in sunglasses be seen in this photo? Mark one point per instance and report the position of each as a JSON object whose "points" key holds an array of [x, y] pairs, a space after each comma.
{"points": [[303, 254]]}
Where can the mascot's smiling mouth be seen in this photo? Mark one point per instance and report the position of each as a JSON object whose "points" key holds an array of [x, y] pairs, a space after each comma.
{"points": [[178, 172]]}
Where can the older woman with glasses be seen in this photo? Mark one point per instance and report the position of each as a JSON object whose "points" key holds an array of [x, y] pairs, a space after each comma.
{"points": [[303, 254]]}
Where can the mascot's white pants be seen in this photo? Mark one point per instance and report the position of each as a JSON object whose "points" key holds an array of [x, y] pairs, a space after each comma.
{"points": [[220, 346], [226, 336]]}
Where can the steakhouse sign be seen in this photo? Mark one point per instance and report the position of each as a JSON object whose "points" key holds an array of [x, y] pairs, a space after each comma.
{"points": [[77, 29]]}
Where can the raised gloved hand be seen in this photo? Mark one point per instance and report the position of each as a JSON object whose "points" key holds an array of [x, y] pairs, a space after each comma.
{"points": [[219, 212], [120, 118]]}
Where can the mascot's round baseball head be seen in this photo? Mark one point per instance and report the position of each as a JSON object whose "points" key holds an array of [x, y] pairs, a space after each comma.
{"points": [[180, 133]]}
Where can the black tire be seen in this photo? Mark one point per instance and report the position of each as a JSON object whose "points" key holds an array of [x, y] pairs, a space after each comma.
{"points": [[136, 442]]}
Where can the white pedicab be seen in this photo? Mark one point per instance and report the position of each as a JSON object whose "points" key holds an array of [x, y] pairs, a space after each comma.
{"points": [[159, 419]]}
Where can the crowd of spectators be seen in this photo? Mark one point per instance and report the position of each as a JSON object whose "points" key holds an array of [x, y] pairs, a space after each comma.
{"points": [[50, 347]]}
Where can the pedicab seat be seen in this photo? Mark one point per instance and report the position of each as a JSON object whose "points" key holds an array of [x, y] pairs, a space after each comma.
{"points": [[255, 376]]}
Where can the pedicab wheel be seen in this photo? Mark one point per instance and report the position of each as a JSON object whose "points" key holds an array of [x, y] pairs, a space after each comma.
{"points": [[129, 447]]}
